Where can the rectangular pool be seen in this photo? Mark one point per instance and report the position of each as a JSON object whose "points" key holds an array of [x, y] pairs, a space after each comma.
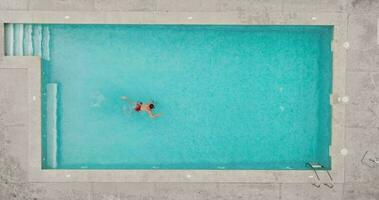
{"points": [[231, 97]]}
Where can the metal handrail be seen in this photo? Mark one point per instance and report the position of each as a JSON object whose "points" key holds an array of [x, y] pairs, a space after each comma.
{"points": [[317, 166], [373, 162]]}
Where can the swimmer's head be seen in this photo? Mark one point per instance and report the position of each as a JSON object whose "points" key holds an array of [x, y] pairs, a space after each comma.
{"points": [[151, 106]]}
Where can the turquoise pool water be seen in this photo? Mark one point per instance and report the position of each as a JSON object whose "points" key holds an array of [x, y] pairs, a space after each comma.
{"points": [[231, 97]]}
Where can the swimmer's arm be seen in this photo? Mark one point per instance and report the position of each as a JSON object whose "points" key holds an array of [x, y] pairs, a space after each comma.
{"points": [[153, 115]]}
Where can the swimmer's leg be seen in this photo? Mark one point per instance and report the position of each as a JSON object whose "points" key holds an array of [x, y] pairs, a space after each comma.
{"points": [[127, 110], [127, 99]]}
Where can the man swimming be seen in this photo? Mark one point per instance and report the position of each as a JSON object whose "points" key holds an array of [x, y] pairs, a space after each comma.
{"points": [[139, 106]]}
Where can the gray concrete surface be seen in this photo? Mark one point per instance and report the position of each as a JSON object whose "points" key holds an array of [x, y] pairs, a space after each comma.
{"points": [[362, 112]]}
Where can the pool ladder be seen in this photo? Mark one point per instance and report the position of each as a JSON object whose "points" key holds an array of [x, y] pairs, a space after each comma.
{"points": [[317, 166]]}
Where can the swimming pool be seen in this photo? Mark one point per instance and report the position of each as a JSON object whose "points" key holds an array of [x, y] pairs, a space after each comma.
{"points": [[232, 97]]}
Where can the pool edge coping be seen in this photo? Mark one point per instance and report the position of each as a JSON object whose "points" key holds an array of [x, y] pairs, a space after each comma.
{"points": [[33, 66]]}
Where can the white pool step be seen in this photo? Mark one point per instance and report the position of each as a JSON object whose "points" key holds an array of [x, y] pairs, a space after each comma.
{"points": [[27, 40], [37, 40], [45, 43], [18, 39], [51, 124], [9, 39]]}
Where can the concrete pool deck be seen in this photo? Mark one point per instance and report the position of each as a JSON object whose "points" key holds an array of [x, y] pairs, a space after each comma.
{"points": [[357, 22]]}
